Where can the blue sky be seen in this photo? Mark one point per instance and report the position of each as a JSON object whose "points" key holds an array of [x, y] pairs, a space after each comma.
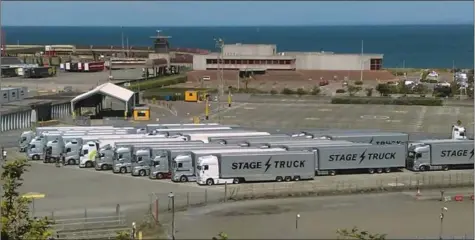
{"points": [[251, 13]]}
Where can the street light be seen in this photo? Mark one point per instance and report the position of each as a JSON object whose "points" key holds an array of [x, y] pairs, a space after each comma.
{"points": [[297, 217], [171, 196], [441, 232]]}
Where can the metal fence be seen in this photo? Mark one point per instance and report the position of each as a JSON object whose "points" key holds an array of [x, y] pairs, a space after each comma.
{"points": [[160, 202]]}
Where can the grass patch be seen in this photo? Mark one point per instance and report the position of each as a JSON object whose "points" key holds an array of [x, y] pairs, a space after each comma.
{"points": [[158, 82], [388, 101]]}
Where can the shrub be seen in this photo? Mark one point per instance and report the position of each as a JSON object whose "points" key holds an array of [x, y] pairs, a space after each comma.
{"points": [[287, 91], [369, 92], [358, 83], [301, 91], [387, 101], [273, 92], [352, 90], [383, 89], [340, 90], [315, 90], [157, 82]]}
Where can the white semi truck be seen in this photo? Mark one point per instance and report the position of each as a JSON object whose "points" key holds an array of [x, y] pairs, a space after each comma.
{"points": [[255, 167], [205, 136], [233, 140], [184, 166], [440, 154]]}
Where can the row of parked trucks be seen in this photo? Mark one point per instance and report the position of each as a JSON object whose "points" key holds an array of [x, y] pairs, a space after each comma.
{"points": [[217, 154]]}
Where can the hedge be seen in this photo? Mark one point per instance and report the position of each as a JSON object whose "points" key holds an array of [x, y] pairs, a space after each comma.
{"points": [[158, 82], [388, 101]]}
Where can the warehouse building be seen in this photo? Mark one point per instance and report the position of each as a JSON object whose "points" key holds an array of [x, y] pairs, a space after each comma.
{"points": [[264, 57]]}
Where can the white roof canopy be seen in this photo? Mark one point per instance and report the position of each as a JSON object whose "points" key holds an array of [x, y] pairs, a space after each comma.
{"points": [[108, 89]]}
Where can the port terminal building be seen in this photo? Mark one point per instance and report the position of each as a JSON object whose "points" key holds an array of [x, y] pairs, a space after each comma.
{"points": [[264, 59]]}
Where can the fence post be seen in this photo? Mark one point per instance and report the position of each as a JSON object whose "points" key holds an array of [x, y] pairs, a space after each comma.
{"points": [[117, 210], [85, 218], [156, 210], [225, 192], [397, 182], [206, 196], [52, 215]]}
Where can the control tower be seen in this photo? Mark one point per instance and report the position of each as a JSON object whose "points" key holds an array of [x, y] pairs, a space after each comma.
{"points": [[161, 47]]}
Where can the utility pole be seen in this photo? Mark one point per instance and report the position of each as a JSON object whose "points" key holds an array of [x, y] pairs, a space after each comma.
{"points": [[127, 46], [362, 62], [122, 36], [219, 73]]}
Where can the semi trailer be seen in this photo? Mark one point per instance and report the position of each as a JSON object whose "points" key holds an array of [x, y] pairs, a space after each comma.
{"points": [[377, 138], [205, 136], [233, 140], [442, 154], [184, 166], [266, 143], [255, 167]]}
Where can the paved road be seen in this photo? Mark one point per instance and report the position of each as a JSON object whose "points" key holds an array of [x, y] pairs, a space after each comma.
{"points": [[399, 215]]}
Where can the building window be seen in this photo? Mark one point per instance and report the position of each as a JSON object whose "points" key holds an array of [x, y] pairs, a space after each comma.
{"points": [[376, 64], [238, 61], [226, 61], [5, 95], [275, 62], [211, 61], [281, 62], [233, 61], [142, 114], [251, 61], [268, 62]]}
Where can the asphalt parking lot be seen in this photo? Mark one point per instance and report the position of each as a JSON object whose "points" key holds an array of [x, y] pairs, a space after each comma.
{"points": [[435, 120], [399, 215]]}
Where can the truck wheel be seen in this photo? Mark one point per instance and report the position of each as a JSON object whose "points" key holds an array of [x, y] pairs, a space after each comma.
{"points": [[423, 168], [387, 170], [278, 179], [104, 167], [88, 164], [209, 182], [71, 162], [288, 179], [332, 173], [445, 168], [379, 170], [35, 157], [142, 173], [123, 170], [185, 179], [159, 176], [297, 178], [371, 171], [236, 181]]}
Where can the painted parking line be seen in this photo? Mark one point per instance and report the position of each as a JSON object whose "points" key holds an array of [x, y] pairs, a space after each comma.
{"points": [[110, 173]]}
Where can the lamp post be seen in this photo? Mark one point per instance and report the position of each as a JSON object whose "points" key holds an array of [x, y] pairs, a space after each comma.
{"points": [[171, 196], [441, 230], [297, 217], [220, 44]]}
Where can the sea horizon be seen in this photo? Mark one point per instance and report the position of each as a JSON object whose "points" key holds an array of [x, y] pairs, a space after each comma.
{"points": [[417, 46]]}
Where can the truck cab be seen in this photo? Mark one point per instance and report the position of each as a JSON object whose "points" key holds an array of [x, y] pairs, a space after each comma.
{"points": [[72, 151], [36, 148], [54, 150], [122, 160], [160, 166], [88, 154], [141, 163], [105, 158], [208, 169], [459, 132], [418, 157], [25, 139], [183, 169]]}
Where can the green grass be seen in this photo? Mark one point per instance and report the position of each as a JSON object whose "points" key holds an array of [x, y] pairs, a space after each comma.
{"points": [[158, 82]]}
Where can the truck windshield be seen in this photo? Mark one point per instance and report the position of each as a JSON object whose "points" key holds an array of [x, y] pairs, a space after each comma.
{"points": [[411, 154], [32, 146], [68, 150], [198, 167], [23, 139]]}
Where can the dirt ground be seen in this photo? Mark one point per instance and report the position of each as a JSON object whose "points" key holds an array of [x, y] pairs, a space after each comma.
{"points": [[399, 215]]}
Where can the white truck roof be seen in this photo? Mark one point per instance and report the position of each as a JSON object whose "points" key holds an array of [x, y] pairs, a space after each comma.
{"points": [[240, 150], [182, 124], [192, 129], [205, 136], [112, 142]]}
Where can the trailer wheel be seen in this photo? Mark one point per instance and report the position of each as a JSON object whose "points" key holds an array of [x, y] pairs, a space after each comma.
{"points": [[288, 179], [371, 170], [278, 179], [71, 162], [445, 168], [236, 181], [387, 170], [297, 178], [89, 164], [142, 173], [379, 170], [159, 176], [423, 168], [123, 170], [185, 179], [35, 157], [332, 172], [209, 182]]}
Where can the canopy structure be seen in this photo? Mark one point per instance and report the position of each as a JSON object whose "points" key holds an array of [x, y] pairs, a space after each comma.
{"points": [[95, 96]]}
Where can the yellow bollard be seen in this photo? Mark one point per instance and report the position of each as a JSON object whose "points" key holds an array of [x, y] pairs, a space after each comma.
{"points": [[139, 235], [207, 110]]}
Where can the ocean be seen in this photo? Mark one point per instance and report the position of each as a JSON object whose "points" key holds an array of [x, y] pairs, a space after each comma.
{"points": [[429, 46]]}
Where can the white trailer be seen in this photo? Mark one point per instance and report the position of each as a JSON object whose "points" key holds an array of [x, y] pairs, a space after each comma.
{"points": [[205, 136]]}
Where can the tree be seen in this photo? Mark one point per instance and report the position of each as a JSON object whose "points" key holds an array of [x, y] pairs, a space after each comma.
{"points": [[352, 90], [16, 220], [383, 89], [355, 233]]}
